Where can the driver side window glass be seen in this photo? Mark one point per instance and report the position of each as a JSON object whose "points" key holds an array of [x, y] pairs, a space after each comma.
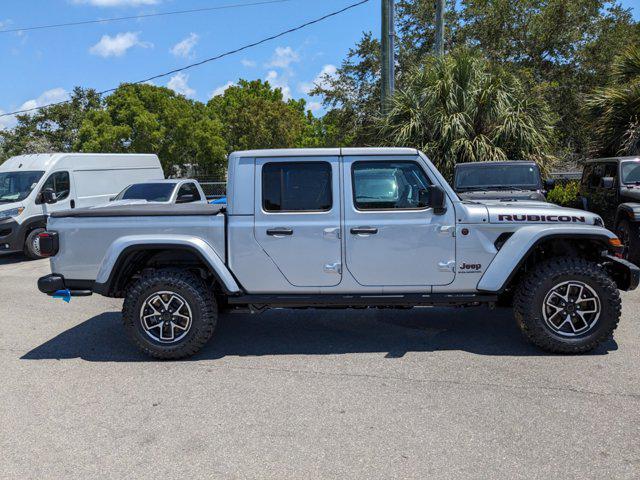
{"points": [[60, 183], [389, 185]]}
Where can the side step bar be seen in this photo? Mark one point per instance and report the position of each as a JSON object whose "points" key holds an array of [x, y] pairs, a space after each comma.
{"points": [[345, 301]]}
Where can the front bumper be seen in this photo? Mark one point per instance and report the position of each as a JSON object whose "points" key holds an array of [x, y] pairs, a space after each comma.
{"points": [[624, 273], [10, 236], [53, 283]]}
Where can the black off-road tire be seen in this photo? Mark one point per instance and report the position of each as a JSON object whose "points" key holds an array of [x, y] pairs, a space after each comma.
{"points": [[193, 290], [530, 295], [31, 251], [629, 233]]}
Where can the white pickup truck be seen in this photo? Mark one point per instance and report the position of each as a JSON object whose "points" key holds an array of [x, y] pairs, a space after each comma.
{"points": [[329, 228]]}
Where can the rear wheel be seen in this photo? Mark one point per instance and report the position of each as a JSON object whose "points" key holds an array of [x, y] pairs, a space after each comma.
{"points": [[32, 244], [567, 305], [169, 314], [630, 237]]}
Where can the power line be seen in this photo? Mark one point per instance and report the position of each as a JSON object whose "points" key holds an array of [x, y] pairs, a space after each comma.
{"points": [[206, 60], [149, 15]]}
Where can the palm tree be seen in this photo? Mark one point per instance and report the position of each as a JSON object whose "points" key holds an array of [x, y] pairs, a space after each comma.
{"points": [[460, 108], [615, 110]]}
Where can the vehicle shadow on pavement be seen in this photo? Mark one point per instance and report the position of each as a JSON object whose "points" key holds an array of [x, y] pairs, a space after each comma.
{"points": [[12, 258], [316, 332]]}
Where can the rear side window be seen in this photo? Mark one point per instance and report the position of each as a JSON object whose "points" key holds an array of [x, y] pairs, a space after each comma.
{"points": [[296, 186], [389, 185], [60, 183]]}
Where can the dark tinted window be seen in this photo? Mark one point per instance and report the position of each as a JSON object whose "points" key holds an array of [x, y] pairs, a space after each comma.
{"points": [[292, 187], [60, 184], [189, 189], [596, 175], [389, 185], [151, 192], [486, 176]]}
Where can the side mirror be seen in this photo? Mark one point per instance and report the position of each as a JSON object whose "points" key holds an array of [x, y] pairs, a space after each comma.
{"points": [[436, 199], [49, 196], [112, 199], [549, 183], [607, 182], [186, 198]]}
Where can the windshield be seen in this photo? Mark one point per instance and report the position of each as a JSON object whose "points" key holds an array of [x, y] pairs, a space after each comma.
{"points": [[631, 172], [497, 176], [151, 192], [16, 186]]}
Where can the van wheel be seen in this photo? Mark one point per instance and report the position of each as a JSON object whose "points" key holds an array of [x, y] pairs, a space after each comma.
{"points": [[630, 238], [567, 305], [32, 244], [169, 314]]}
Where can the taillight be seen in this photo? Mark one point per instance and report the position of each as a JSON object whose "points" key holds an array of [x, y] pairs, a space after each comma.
{"points": [[49, 243]]}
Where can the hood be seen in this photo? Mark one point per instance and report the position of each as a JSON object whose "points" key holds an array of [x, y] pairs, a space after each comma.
{"points": [[540, 213], [502, 195], [631, 192]]}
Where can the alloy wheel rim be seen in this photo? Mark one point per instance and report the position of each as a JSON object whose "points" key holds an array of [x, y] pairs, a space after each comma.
{"points": [[35, 246], [571, 308], [166, 317]]}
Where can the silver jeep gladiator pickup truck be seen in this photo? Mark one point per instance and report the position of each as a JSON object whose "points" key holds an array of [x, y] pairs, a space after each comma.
{"points": [[330, 228]]}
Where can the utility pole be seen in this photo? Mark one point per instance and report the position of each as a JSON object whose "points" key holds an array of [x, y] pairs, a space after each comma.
{"points": [[439, 43], [388, 57]]}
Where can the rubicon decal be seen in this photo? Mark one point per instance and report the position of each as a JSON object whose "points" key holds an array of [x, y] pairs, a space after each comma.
{"points": [[541, 218]]}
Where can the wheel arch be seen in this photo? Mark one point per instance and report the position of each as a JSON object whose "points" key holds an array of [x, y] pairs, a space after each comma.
{"points": [[127, 257], [519, 253], [630, 211]]}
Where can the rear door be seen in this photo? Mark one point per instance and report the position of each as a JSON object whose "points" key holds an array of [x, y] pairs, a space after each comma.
{"points": [[392, 236], [297, 218]]}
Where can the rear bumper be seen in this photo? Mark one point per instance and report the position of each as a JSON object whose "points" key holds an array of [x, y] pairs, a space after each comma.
{"points": [[50, 284], [625, 274]]}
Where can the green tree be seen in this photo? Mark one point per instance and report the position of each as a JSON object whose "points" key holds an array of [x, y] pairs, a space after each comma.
{"points": [[50, 129], [460, 108], [615, 110], [255, 115], [150, 119]]}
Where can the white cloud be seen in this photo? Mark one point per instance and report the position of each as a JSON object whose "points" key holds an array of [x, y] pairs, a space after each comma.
{"points": [[117, 46], [221, 89], [314, 106], [54, 95], [280, 82], [184, 48], [320, 80], [248, 63], [178, 83], [283, 57], [117, 3]]}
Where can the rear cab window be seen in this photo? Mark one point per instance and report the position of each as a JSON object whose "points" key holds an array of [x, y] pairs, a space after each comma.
{"points": [[297, 187]]}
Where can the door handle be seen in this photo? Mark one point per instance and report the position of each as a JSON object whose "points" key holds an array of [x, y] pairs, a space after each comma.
{"points": [[280, 232], [364, 231], [73, 204]]}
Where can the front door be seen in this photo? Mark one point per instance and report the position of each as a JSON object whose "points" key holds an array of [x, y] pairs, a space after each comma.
{"points": [[60, 183], [297, 218], [393, 237]]}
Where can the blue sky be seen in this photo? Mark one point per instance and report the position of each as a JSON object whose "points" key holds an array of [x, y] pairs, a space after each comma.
{"points": [[42, 66]]}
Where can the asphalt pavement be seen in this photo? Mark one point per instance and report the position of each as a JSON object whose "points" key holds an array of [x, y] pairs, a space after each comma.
{"points": [[422, 393]]}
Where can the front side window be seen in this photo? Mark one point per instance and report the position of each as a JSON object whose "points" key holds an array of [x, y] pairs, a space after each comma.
{"points": [[60, 183], [16, 186], [296, 186], [389, 185]]}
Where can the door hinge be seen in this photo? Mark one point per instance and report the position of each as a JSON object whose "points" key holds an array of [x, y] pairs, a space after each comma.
{"points": [[333, 268]]}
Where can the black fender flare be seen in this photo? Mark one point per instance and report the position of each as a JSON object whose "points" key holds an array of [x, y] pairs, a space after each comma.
{"points": [[629, 210]]}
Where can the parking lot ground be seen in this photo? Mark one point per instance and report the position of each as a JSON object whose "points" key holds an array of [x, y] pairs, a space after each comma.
{"points": [[422, 393]]}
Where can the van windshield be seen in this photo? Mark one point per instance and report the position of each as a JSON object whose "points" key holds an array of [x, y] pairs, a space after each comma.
{"points": [[151, 192], [16, 186]]}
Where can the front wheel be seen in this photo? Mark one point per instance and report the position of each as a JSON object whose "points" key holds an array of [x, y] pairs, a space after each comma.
{"points": [[567, 305], [169, 314], [32, 244]]}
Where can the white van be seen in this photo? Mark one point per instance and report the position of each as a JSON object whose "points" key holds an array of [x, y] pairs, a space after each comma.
{"points": [[76, 179]]}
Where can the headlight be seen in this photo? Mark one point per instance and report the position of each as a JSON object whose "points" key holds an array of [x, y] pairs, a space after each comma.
{"points": [[598, 222], [14, 212]]}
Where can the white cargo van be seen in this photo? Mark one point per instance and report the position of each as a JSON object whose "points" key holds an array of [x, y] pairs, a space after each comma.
{"points": [[75, 179]]}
